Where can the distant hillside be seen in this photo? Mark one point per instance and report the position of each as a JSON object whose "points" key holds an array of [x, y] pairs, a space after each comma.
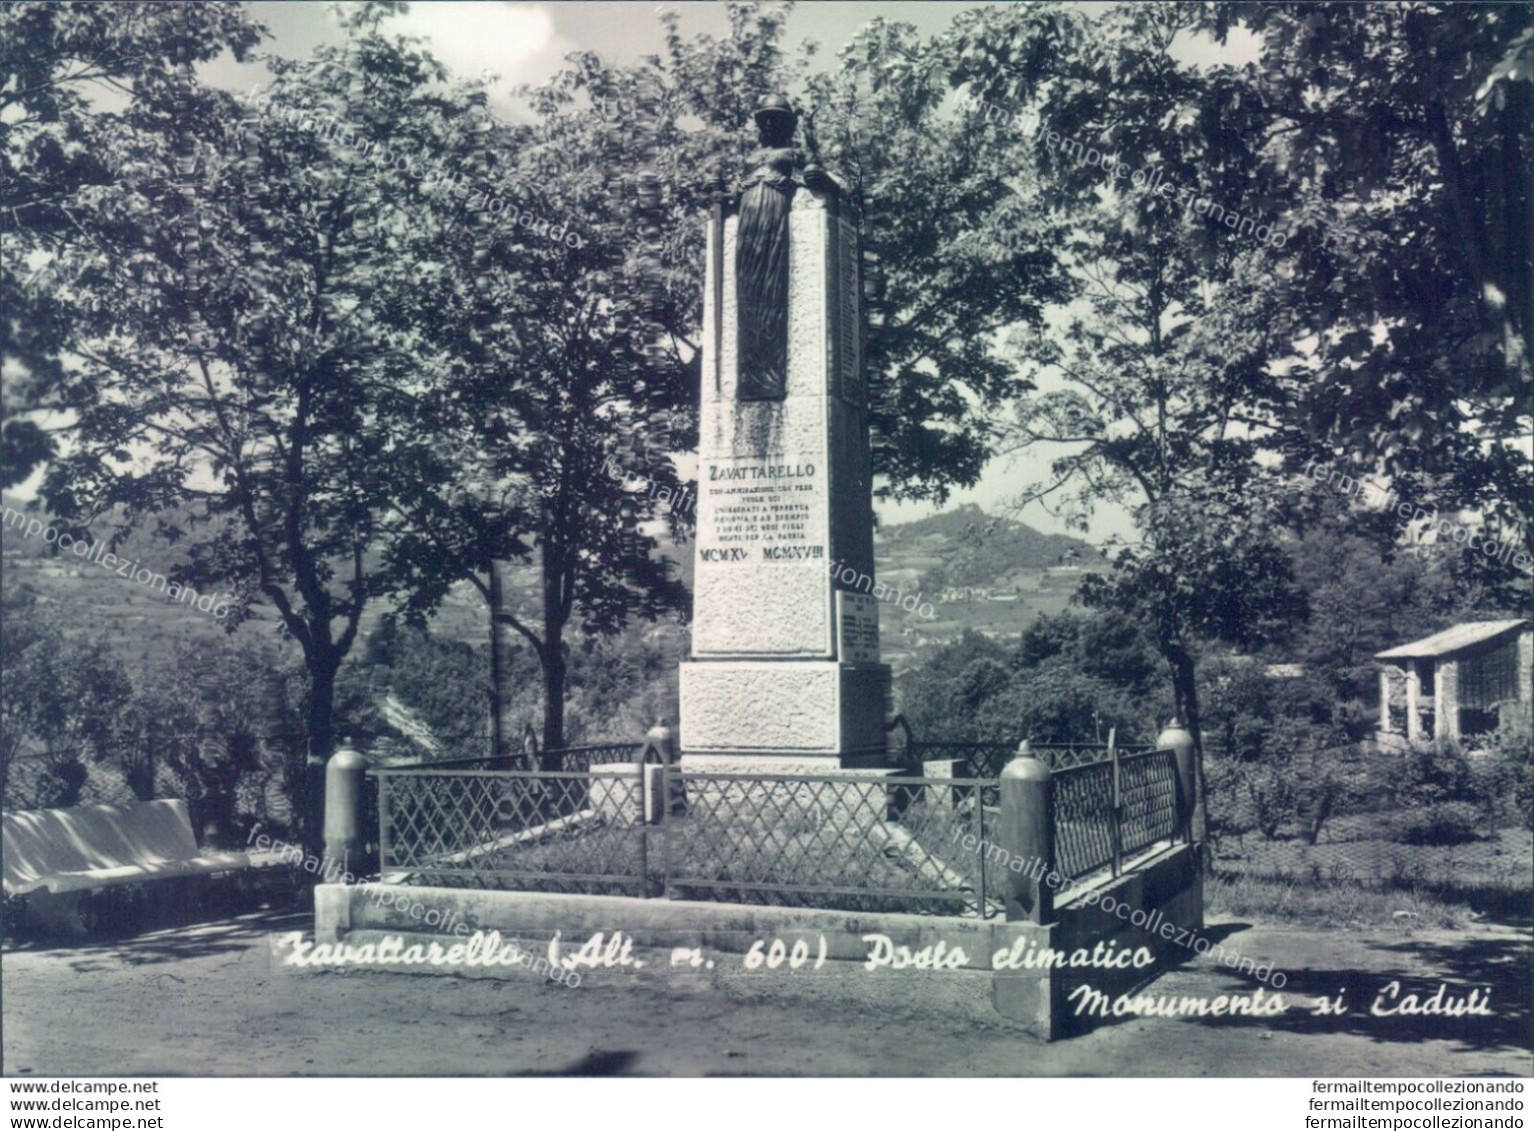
{"points": [[967, 547], [141, 619], [971, 570]]}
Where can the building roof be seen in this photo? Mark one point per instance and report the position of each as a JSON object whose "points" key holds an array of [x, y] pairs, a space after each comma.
{"points": [[1451, 640]]}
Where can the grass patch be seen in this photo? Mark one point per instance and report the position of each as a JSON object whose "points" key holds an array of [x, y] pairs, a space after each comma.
{"points": [[1336, 904], [1357, 878]]}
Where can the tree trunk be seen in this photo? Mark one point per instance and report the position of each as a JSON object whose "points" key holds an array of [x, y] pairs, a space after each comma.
{"points": [[323, 666], [322, 704], [552, 657], [552, 755], [1185, 695], [501, 649]]}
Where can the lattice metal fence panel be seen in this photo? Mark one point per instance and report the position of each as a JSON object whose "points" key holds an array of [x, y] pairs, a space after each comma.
{"points": [[524, 830], [1084, 819], [1147, 800], [847, 841]]}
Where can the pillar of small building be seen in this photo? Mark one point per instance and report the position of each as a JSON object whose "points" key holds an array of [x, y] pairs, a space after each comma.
{"points": [[1446, 706], [1526, 677], [1385, 683], [1413, 701]]}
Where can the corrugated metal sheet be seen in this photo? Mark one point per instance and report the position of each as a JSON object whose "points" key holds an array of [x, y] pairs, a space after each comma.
{"points": [[1451, 640]]}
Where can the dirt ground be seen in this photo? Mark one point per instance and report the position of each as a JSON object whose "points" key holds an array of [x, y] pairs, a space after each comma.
{"points": [[208, 1000]]}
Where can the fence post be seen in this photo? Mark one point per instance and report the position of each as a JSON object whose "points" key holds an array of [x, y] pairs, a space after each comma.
{"points": [[980, 830], [1027, 831], [659, 749], [641, 787], [343, 810], [1177, 739], [666, 821], [383, 824], [1116, 814]]}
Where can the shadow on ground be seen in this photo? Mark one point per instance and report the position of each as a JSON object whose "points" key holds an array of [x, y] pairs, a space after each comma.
{"points": [[175, 944], [594, 1063], [1500, 966]]}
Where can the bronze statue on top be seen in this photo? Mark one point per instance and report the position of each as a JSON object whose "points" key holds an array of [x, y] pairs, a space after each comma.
{"points": [[761, 248]]}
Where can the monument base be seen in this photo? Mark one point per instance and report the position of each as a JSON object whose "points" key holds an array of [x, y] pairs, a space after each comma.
{"points": [[822, 711], [768, 791], [873, 760]]}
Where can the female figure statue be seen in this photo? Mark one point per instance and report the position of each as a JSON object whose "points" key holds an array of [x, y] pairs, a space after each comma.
{"points": [[761, 255]]}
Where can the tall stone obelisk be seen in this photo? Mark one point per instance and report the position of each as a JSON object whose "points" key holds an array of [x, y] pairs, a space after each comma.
{"points": [[785, 657]]}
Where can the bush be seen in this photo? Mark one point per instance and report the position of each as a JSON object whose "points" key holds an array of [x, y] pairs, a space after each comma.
{"points": [[1429, 775], [1503, 768], [60, 784], [1271, 797], [1450, 822], [1523, 789], [1229, 814]]}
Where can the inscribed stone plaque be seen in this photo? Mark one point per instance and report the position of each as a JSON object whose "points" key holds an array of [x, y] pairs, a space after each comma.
{"points": [[761, 580], [763, 511], [857, 614]]}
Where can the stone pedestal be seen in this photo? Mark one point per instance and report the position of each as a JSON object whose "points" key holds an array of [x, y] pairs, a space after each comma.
{"points": [[785, 653]]}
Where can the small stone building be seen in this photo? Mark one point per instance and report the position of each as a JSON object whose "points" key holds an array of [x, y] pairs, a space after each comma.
{"points": [[1461, 681]]}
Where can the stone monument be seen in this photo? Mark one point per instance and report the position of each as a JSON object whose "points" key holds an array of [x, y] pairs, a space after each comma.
{"points": [[785, 670]]}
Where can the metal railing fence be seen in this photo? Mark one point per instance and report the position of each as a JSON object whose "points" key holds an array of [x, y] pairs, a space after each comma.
{"points": [[519, 829], [1107, 811], [848, 840]]}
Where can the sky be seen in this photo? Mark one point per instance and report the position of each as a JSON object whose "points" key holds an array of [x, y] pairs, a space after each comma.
{"points": [[527, 43]]}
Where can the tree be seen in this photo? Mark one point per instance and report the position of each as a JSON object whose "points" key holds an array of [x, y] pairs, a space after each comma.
{"points": [[442, 683], [549, 438], [1363, 599], [933, 698], [241, 338], [1159, 392], [1071, 679], [72, 76], [200, 718], [61, 698], [958, 245], [1400, 140]]}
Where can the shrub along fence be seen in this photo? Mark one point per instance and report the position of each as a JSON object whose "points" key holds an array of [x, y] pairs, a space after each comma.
{"points": [[572, 759], [43, 783], [985, 759], [33, 782]]}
